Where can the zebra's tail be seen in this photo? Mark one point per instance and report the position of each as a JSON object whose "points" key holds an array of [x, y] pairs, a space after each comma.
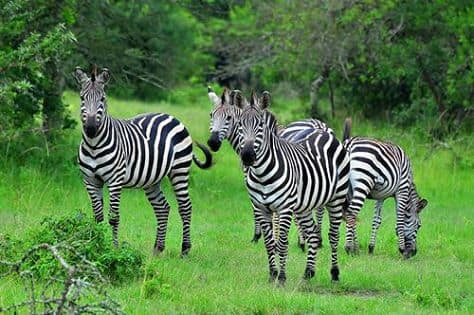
{"points": [[208, 162], [347, 129]]}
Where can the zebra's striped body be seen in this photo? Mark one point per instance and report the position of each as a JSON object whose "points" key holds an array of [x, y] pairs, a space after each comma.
{"points": [[380, 170], [223, 125], [134, 153], [287, 178]]}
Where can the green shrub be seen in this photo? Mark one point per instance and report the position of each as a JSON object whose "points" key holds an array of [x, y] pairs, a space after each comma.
{"points": [[79, 232]]}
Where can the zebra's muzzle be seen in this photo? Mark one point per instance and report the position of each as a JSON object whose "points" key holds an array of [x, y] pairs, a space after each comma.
{"points": [[214, 143], [248, 154], [91, 127]]}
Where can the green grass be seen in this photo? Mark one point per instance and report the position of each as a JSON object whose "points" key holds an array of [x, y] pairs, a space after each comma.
{"points": [[224, 272]]}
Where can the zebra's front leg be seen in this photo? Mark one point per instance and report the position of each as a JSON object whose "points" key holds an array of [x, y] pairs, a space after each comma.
{"points": [[115, 192], [95, 194], [180, 181], [401, 199], [264, 218], [319, 223], [375, 225], [162, 209], [282, 243], [258, 230]]}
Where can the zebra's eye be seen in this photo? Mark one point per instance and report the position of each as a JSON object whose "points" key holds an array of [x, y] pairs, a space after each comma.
{"points": [[228, 117], [102, 99], [82, 98]]}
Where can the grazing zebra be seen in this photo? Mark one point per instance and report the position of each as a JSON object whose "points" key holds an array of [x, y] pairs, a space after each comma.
{"points": [[223, 125], [380, 170], [134, 153], [287, 178]]}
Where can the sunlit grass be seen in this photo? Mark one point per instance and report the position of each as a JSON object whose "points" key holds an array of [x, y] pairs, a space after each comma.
{"points": [[225, 273]]}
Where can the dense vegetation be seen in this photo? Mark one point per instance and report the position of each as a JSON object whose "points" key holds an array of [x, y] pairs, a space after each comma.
{"points": [[409, 62]]}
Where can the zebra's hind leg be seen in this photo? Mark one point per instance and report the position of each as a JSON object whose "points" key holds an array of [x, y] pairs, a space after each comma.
{"points": [[335, 218], [180, 181], [115, 192], [161, 208], [258, 230], [94, 189], [306, 222], [375, 225], [301, 238], [264, 218], [319, 222], [282, 243], [359, 195]]}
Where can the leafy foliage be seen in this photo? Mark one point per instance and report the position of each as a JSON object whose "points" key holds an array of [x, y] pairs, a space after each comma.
{"points": [[88, 239]]}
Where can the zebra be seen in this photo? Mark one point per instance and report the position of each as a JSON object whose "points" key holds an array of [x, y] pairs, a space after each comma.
{"points": [[288, 178], [134, 153], [379, 170], [223, 125]]}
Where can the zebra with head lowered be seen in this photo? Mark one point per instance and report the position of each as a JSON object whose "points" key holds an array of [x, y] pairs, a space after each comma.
{"points": [[380, 170], [134, 153], [223, 125], [288, 178]]}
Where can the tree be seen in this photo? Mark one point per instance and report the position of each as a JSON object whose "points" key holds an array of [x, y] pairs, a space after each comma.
{"points": [[34, 42]]}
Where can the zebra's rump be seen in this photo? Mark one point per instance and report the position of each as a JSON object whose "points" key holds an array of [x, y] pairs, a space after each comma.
{"points": [[377, 165]]}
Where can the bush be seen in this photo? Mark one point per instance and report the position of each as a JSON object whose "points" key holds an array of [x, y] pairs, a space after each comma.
{"points": [[91, 240]]}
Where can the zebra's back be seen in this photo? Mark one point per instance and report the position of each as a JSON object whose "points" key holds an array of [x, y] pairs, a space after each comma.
{"points": [[377, 163]]}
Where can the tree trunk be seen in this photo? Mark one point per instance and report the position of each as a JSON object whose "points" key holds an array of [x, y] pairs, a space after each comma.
{"points": [[53, 109], [331, 99], [315, 86]]}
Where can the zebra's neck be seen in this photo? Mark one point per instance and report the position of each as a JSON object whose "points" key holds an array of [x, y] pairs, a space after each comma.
{"points": [[103, 134], [266, 159], [233, 137]]}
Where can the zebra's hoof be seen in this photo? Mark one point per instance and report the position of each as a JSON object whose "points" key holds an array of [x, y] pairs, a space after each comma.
{"points": [[371, 249], [335, 273], [352, 249], [158, 249], [302, 246], [281, 279], [308, 274], [185, 248], [255, 238], [273, 275]]}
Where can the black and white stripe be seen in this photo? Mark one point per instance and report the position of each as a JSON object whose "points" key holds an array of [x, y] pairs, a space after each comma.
{"points": [[287, 178], [134, 153], [380, 170], [223, 125]]}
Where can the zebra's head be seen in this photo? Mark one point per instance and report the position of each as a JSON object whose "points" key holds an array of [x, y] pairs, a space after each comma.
{"points": [[251, 126], [93, 99], [413, 221], [222, 117]]}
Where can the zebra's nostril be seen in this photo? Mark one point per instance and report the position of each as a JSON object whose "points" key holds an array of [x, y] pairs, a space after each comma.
{"points": [[214, 142]]}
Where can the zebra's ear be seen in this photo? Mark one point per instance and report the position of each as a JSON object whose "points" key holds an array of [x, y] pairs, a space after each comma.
{"points": [[266, 98], [104, 76], [254, 100], [421, 205], [239, 100], [225, 97], [80, 75], [212, 96]]}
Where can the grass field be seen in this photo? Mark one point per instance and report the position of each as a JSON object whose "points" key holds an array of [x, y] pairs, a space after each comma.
{"points": [[224, 272]]}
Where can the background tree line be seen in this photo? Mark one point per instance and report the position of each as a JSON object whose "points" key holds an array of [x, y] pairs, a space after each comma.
{"points": [[410, 62]]}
